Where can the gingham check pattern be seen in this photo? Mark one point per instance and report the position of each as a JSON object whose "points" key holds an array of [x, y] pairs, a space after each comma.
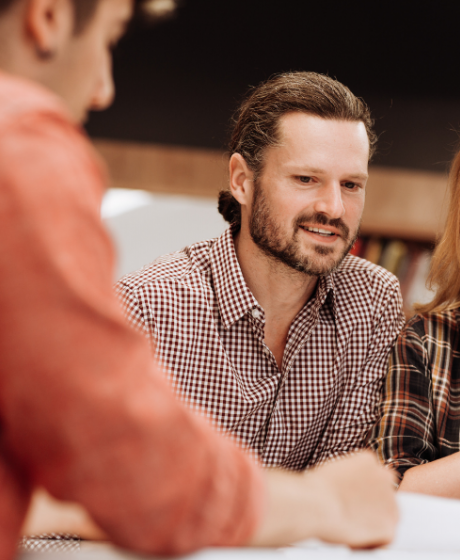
{"points": [[420, 410], [50, 542], [208, 332]]}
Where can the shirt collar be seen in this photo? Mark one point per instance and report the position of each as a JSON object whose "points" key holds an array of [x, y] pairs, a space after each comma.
{"points": [[233, 295], [326, 287]]}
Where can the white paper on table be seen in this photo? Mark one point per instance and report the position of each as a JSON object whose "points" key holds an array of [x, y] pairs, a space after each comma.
{"points": [[428, 529], [106, 551], [428, 523]]}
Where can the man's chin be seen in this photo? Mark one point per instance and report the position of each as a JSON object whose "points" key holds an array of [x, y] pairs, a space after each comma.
{"points": [[325, 261], [318, 260]]}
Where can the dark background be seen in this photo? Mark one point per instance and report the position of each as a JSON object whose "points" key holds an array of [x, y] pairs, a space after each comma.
{"points": [[179, 82]]}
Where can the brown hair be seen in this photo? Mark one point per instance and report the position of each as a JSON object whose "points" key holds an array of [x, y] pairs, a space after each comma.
{"points": [[84, 10], [445, 264], [256, 122]]}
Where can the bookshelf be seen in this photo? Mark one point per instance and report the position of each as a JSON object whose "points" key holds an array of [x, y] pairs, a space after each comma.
{"points": [[408, 259], [404, 216], [404, 213]]}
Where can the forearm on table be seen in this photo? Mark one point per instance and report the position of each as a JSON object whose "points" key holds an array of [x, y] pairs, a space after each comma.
{"points": [[348, 501], [437, 478], [47, 515]]}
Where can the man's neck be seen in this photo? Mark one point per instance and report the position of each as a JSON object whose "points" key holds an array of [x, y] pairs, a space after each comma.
{"points": [[281, 291]]}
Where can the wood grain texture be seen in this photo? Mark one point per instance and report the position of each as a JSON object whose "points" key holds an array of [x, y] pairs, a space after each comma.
{"points": [[166, 169], [405, 203], [399, 203]]}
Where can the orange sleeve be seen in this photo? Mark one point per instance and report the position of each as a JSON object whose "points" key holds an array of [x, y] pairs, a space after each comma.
{"points": [[85, 411]]}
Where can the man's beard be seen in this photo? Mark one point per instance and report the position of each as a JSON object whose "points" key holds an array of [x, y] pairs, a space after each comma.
{"points": [[266, 234]]}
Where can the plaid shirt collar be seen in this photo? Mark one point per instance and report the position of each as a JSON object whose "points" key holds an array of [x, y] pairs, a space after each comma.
{"points": [[234, 297]]}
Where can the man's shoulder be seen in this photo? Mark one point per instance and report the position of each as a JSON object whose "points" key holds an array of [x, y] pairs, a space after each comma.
{"points": [[355, 269], [365, 293], [20, 97], [35, 128], [185, 267], [361, 287]]}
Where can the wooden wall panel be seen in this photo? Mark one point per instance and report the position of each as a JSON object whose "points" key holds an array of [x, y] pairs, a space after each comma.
{"points": [[167, 169], [400, 203], [405, 203]]}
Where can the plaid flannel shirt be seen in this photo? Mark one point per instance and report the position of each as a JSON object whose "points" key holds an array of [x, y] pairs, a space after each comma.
{"points": [[420, 410]]}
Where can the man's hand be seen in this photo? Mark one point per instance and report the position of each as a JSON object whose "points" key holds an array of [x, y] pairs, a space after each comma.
{"points": [[350, 501], [47, 515]]}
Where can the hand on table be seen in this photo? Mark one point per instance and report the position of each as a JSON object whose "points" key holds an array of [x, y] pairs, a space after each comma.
{"points": [[47, 515], [350, 501]]}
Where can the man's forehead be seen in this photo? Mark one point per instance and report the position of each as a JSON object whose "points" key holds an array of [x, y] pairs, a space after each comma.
{"points": [[302, 123], [310, 143]]}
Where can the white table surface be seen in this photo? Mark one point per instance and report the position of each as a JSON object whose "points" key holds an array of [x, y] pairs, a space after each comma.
{"points": [[429, 529], [92, 551]]}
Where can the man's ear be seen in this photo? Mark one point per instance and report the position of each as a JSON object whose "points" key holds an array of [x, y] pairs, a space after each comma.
{"points": [[241, 179], [49, 25]]}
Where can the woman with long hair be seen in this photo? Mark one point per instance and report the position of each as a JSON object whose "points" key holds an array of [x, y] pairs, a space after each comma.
{"points": [[418, 434]]}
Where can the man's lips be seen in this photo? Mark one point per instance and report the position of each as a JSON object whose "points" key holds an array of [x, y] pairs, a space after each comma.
{"points": [[326, 232]]}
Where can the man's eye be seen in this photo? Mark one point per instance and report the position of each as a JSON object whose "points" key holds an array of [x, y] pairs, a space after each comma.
{"points": [[303, 179], [350, 185]]}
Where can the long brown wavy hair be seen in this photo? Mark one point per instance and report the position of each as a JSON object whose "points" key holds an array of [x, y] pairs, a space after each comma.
{"points": [[445, 265]]}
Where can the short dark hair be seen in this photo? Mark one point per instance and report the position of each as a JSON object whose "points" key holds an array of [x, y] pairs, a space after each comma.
{"points": [[84, 10], [256, 121]]}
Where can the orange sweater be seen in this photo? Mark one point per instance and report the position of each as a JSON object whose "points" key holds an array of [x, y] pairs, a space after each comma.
{"points": [[83, 410]]}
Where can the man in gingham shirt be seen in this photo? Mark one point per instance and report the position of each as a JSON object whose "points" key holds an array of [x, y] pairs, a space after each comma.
{"points": [[273, 330]]}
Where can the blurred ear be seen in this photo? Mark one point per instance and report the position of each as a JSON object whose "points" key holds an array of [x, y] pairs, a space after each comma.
{"points": [[49, 25], [241, 179]]}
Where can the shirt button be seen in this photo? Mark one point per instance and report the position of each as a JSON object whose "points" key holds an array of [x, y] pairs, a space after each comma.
{"points": [[256, 313]]}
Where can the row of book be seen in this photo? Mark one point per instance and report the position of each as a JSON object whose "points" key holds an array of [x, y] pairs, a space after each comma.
{"points": [[409, 261]]}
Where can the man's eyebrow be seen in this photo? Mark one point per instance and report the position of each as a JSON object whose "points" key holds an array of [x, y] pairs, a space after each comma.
{"points": [[300, 170], [303, 170], [361, 176]]}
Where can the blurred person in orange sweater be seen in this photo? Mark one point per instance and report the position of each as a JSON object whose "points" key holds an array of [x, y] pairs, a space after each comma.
{"points": [[85, 414]]}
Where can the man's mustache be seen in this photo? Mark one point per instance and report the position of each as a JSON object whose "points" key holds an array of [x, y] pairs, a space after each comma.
{"points": [[318, 219]]}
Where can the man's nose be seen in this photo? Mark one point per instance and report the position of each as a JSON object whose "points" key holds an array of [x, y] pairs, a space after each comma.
{"points": [[104, 91], [329, 201]]}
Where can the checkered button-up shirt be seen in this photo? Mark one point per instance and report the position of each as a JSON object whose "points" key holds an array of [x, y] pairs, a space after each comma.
{"points": [[207, 330], [420, 410]]}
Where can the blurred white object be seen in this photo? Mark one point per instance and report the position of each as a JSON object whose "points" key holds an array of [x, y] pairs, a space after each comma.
{"points": [[428, 529], [120, 201], [428, 523], [145, 226]]}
